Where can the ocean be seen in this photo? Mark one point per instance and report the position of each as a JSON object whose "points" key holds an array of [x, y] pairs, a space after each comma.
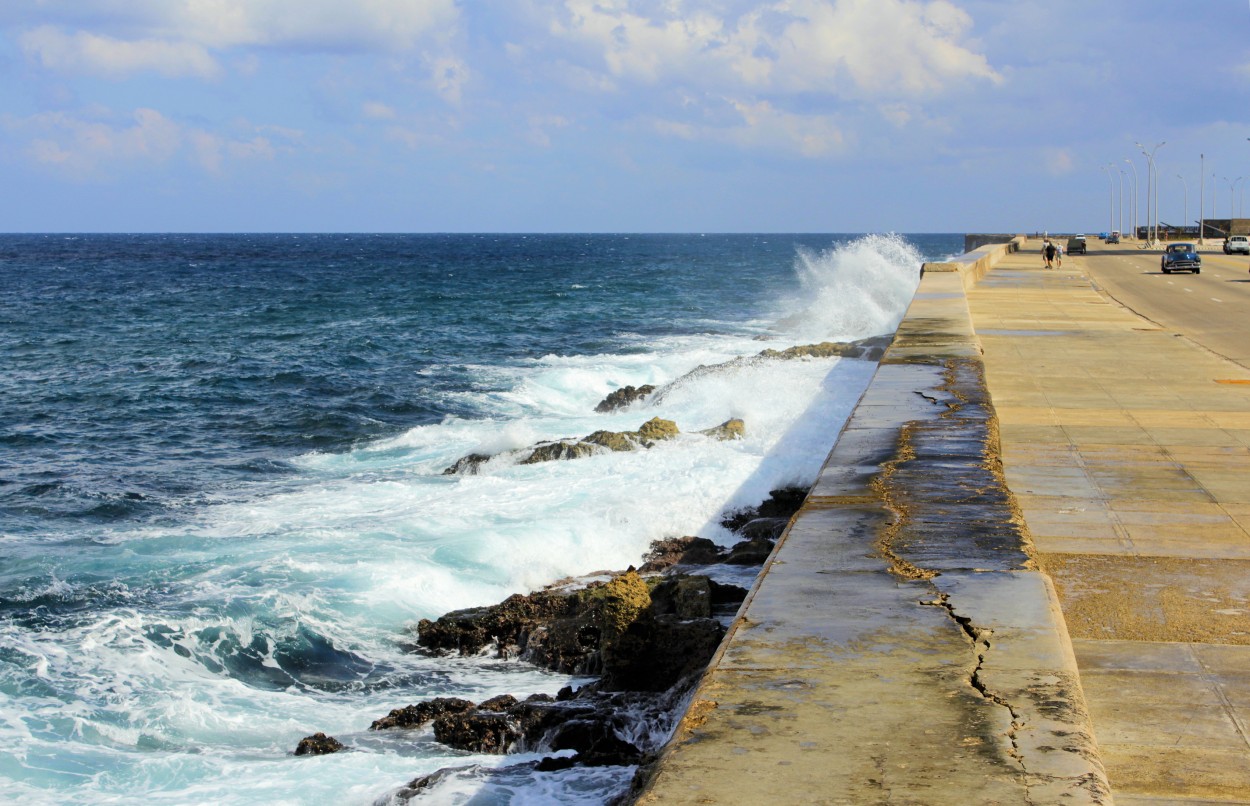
{"points": [[222, 498]]}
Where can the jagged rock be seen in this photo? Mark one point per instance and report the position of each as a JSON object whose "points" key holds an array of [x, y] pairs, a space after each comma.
{"points": [[780, 504], [318, 745], [727, 594], [499, 704], [750, 552], [684, 597], [870, 348], [414, 716], [506, 624], [764, 528], [658, 651], [614, 440], [623, 397], [625, 597], [595, 742], [680, 551], [656, 429], [467, 465], [728, 430], [553, 451], [477, 731]]}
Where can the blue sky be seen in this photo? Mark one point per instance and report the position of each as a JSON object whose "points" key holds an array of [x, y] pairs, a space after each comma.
{"points": [[613, 115]]}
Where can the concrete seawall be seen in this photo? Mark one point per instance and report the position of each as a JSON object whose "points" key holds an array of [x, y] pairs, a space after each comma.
{"points": [[900, 645]]}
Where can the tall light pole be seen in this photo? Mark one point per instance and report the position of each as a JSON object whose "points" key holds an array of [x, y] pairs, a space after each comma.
{"points": [[1232, 202], [1121, 172], [1110, 197], [1185, 217], [1134, 204], [1152, 178], [1202, 188]]}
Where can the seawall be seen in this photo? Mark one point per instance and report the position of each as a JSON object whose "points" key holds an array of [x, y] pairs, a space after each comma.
{"points": [[900, 645]]}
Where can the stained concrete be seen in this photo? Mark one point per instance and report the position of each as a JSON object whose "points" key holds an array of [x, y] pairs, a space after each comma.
{"points": [[901, 645], [1126, 448]]}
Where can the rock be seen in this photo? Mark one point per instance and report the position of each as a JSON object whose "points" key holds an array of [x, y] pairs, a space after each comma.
{"points": [[467, 465], [553, 451], [764, 528], [414, 716], [506, 624], [595, 742], [683, 596], [477, 731], [614, 440], [727, 594], [658, 651], [657, 429], [780, 504], [728, 430], [623, 600], [417, 786], [498, 704], [680, 551], [750, 552], [318, 745], [623, 397]]}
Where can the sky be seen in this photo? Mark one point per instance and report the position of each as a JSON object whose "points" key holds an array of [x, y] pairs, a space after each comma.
{"points": [[617, 115]]}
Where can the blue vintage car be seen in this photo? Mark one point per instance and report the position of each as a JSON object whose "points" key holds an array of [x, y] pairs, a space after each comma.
{"points": [[1181, 257]]}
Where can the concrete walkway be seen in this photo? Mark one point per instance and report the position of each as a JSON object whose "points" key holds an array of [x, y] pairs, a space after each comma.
{"points": [[1126, 447], [900, 646]]}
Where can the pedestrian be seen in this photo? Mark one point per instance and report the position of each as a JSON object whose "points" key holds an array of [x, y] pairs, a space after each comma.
{"points": [[1058, 256], [1048, 253]]}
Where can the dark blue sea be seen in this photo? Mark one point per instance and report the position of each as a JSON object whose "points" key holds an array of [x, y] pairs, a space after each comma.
{"points": [[221, 490]]}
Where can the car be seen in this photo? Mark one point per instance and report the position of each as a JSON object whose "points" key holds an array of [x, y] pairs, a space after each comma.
{"points": [[1237, 243], [1076, 245], [1181, 257], [1113, 237]]}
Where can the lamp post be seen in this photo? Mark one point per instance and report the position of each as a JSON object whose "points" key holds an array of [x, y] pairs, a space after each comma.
{"points": [[1121, 172], [1110, 197], [1152, 178], [1134, 204], [1185, 217], [1202, 187]]}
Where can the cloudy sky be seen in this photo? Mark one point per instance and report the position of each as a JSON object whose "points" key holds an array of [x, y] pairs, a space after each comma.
{"points": [[614, 115]]}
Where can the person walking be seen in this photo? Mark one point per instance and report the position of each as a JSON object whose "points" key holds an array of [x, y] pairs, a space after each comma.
{"points": [[1048, 253], [1058, 256]]}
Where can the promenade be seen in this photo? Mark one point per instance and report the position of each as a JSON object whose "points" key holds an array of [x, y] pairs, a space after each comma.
{"points": [[1066, 625]]}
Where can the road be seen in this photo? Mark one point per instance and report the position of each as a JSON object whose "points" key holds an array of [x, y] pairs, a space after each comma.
{"points": [[1208, 308]]}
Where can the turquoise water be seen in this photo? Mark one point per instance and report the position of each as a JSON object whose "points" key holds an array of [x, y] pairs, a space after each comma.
{"points": [[221, 490]]}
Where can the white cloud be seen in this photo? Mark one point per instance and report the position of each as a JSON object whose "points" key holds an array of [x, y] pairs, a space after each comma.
{"points": [[761, 126], [83, 52], [848, 48], [85, 145], [1059, 161], [376, 110], [181, 37]]}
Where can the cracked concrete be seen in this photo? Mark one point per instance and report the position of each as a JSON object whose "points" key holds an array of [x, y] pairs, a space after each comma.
{"points": [[901, 646]]}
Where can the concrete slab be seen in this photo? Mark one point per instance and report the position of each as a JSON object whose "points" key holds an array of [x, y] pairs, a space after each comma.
{"points": [[1132, 480]]}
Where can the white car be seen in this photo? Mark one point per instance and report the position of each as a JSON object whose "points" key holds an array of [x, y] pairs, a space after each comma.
{"points": [[1237, 243]]}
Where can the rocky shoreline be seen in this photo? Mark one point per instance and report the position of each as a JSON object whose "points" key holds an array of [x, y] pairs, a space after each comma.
{"points": [[645, 634]]}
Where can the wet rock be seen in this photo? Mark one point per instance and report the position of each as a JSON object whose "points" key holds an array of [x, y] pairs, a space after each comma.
{"points": [[419, 786], [414, 716], [673, 551], [684, 597], [506, 625], [750, 552], [623, 397], [623, 600], [658, 651], [764, 528], [477, 731], [318, 745], [727, 594], [780, 504], [614, 440], [554, 451], [499, 704], [595, 742], [728, 430], [656, 429], [467, 465]]}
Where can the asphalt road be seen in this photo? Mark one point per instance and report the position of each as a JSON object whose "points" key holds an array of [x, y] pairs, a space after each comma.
{"points": [[1209, 308]]}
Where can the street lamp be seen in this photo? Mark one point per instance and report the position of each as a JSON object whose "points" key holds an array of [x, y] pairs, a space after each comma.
{"points": [[1110, 197], [1152, 177], [1121, 172], [1134, 204], [1185, 217]]}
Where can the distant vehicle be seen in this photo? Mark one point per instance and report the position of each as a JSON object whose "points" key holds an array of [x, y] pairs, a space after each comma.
{"points": [[1237, 243], [1076, 245], [1113, 237], [1181, 257]]}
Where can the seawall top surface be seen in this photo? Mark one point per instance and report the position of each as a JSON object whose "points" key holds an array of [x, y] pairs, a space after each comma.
{"points": [[900, 644]]}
